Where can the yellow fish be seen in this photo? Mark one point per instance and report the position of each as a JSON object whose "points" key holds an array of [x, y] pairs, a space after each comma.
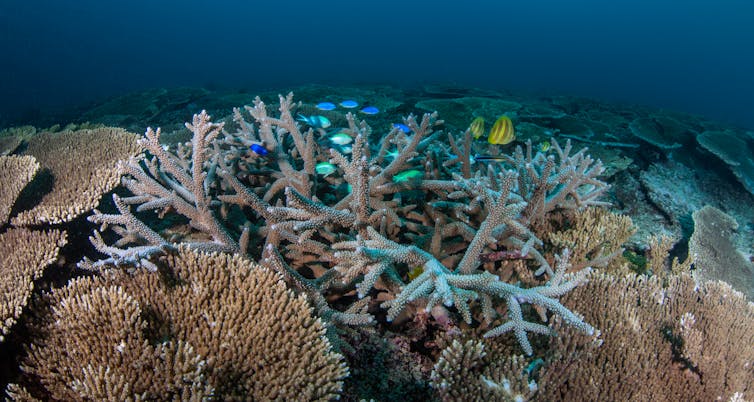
{"points": [[502, 131], [477, 127], [544, 146], [415, 272]]}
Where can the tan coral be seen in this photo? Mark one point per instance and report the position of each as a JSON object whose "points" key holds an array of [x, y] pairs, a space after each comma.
{"points": [[24, 254], [475, 371], [15, 173], [8, 144], [83, 165], [594, 238], [258, 339], [662, 338], [95, 338]]}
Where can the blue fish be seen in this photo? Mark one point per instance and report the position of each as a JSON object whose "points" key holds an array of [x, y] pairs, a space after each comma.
{"points": [[259, 150], [325, 106], [403, 127], [370, 110], [349, 104]]}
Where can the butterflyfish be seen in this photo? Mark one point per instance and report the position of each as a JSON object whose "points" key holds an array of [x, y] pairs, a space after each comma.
{"points": [[477, 127], [502, 131]]}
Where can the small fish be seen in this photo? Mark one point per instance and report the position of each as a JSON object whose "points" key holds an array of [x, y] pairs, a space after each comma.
{"points": [[346, 149], [325, 168], [488, 158], [315, 121], [415, 272], [325, 106], [534, 366], [502, 131], [349, 104], [477, 127], [370, 110], [341, 138], [259, 149], [544, 146], [402, 127], [408, 175]]}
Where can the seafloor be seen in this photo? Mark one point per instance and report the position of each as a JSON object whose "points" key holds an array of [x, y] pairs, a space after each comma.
{"points": [[667, 171]]}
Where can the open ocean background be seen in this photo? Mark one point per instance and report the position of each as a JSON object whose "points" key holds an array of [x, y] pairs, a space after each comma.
{"points": [[691, 56]]}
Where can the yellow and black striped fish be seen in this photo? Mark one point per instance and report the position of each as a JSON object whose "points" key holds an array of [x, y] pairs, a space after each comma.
{"points": [[502, 131], [477, 127]]}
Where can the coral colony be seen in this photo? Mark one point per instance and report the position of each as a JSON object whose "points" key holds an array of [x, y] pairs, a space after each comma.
{"points": [[299, 255], [359, 227]]}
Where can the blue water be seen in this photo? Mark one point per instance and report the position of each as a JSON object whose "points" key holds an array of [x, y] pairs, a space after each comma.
{"points": [[692, 56]]}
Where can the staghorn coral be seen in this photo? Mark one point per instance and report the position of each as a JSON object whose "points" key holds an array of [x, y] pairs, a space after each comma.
{"points": [[15, 173], [207, 325], [361, 228], [82, 166], [24, 254], [677, 341]]}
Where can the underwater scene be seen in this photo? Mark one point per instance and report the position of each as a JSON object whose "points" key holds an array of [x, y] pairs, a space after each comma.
{"points": [[398, 202]]}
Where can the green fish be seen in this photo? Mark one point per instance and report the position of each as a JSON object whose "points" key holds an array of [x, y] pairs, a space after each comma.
{"points": [[325, 168], [408, 175], [341, 139]]}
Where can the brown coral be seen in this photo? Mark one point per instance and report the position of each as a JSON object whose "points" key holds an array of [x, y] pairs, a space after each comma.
{"points": [[476, 371], [15, 173], [83, 165], [227, 323], [678, 342], [23, 256], [594, 238]]}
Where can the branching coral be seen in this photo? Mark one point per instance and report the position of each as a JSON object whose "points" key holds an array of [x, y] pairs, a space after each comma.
{"points": [[660, 338], [79, 177], [24, 254], [209, 326], [362, 228]]}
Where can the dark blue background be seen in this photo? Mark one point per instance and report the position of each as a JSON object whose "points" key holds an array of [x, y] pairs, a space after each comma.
{"points": [[694, 56]]}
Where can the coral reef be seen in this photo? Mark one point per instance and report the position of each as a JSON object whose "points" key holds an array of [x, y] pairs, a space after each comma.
{"points": [[211, 325], [78, 178], [434, 274], [659, 339], [715, 256], [735, 149], [364, 239], [24, 254], [469, 372], [15, 173]]}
